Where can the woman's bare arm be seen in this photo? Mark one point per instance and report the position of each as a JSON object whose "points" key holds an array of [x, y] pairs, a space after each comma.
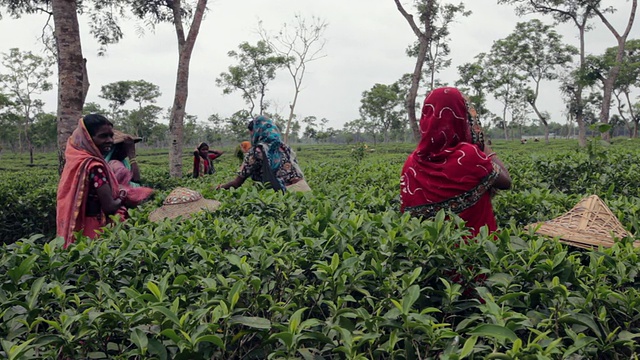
{"points": [[235, 183], [503, 181], [108, 204]]}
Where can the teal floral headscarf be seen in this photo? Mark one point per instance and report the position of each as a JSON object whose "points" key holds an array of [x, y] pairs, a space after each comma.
{"points": [[267, 134]]}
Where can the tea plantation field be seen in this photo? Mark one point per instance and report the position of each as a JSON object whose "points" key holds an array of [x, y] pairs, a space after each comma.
{"points": [[334, 274]]}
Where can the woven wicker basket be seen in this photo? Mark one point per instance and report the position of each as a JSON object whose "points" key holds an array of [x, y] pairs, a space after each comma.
{"points": [[589, 224]]}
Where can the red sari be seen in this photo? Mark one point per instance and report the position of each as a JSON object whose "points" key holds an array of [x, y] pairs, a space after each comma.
{"points": [[447, 171]]}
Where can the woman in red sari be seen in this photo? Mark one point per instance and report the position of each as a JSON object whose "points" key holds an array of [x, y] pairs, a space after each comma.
{"points": [[451, 168], [88, 191]]}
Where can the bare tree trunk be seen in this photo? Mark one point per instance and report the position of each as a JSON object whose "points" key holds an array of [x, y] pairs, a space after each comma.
{"points": [[542, 119], [185, 49], [633, 119], [582, 128], [413, 91], [71, 80], [292, 107], [423, 38], [504, 121], [609, 82]]}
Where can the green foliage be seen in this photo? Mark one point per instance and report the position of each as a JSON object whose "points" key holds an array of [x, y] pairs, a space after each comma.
{"points": [[336, 274], [381, 106], [359, 151], [257, 65]]}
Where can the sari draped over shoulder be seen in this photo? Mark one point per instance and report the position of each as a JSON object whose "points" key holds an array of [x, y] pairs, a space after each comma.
{"points": [[81, 155], [446, 170]]}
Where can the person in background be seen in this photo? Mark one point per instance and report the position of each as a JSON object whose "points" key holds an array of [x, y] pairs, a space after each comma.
{"points": [[88, 192], [269, 160], [203, 160], [242, 149], [122, 158], [448, 169]]}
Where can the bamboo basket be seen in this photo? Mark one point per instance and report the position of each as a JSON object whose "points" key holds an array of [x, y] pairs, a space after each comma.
{"points": [[587, 225]]}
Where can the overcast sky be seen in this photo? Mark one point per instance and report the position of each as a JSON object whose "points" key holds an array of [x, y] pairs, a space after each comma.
{"points": [[366, 42]]}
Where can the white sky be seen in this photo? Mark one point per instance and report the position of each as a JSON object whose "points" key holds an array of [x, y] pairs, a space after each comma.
{"points": [[366, 42]]}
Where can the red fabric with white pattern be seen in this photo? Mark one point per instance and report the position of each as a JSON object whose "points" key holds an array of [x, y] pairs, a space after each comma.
{"points": [[445, 164]]}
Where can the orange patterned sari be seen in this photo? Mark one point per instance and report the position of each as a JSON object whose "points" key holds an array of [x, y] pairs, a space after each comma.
{"points": [[81, 156]]}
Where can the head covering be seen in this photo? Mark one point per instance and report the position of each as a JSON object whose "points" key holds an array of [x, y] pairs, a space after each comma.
{"points": [[445, 164], [81, 154], [267, 136], [245, 146], [119, 136], [182, 202]]}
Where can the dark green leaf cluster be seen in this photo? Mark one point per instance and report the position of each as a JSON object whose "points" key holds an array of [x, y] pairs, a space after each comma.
{"points": [[336, 274]]}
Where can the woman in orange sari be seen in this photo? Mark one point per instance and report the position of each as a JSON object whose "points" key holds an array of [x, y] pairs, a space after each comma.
{"points": [[88, 191]]}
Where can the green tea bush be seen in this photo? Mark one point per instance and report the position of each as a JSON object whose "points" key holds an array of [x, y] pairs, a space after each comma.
{"points": [[334, 274]]}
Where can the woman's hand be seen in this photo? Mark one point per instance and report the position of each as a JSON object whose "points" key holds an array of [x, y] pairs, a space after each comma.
{"points": [[129, 147]]}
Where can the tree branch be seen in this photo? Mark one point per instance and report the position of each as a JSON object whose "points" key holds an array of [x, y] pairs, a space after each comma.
{"points": [[615, 33], [177, 20], [409, 17]]}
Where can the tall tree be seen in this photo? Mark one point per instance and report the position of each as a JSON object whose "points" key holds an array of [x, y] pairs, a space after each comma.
{"points": [[381, 105], [256, 67], [505, 82], [144, 92], [432, 34], [139, 121], [538, 53], [612, 75], [301, 43], [473, 81], [628, 78], [27, 76], [578, 12], [44, 130], [176, 12], [9, 123], [117, 94], [73, 82]]}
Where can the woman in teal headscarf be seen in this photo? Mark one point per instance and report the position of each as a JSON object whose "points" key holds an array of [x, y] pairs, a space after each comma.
{"points": [[280, 169]]}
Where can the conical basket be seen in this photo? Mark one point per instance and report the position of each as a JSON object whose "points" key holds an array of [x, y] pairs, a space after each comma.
{"points": [[587, 225]]}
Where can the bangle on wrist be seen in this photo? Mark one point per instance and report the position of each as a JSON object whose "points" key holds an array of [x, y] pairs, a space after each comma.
{"points": [[492, 154], [133, 160]]}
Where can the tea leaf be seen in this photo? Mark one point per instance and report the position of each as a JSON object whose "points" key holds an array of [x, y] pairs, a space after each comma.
{"points": [[251, 321], [410, 298], [155, 290], [214, 339], [468, 347], [25, 266], [139, 338], [494, 331], [167, 313]]}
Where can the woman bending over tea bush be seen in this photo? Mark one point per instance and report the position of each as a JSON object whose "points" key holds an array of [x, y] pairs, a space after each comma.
{"points": [[88, 191], [280, 168], [452, 168]]}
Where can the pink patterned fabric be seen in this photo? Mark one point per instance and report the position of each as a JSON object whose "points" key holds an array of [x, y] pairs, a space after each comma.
{"points": [[135, 195]]}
